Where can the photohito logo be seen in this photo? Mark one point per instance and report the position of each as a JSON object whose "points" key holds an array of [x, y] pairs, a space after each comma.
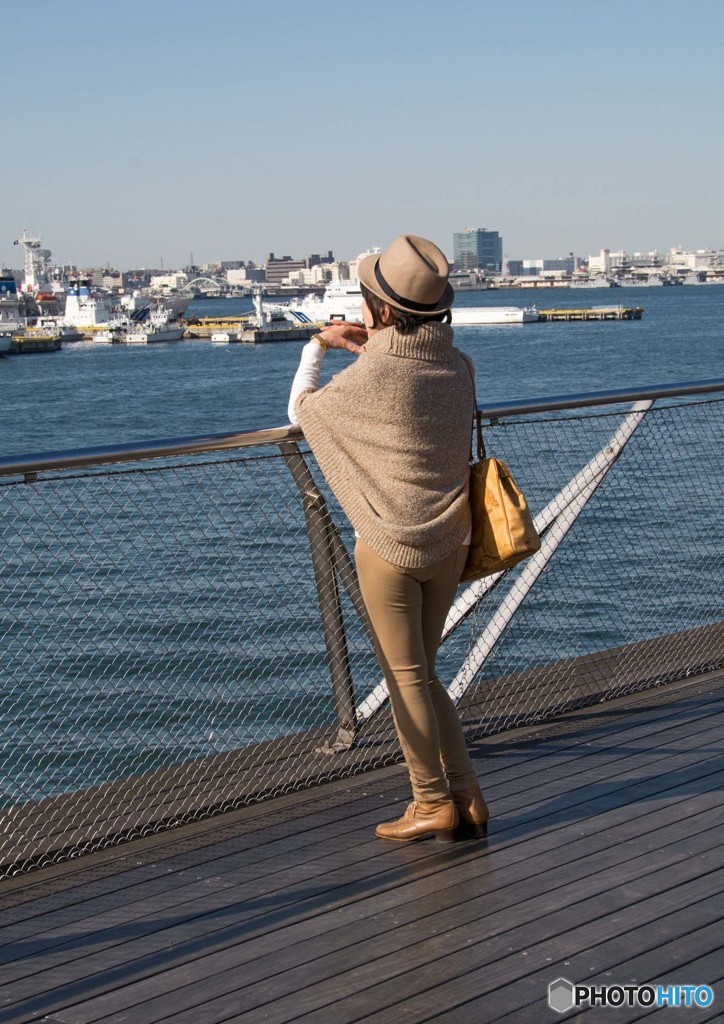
{"points": [[563, 995]]}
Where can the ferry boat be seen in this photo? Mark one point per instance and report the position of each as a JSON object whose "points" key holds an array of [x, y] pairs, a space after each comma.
{"points": [[478, 316], [344, 302], [341, 301]]}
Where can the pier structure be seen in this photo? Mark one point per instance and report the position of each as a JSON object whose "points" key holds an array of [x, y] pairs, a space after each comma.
{"points": [[33, 343], [244, 329], [593, 313], [294, 332], [197, 744], [262, 325]]}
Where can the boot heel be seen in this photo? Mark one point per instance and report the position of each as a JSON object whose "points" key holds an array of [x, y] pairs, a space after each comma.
{"points": [[472, 830], [446, 835]]}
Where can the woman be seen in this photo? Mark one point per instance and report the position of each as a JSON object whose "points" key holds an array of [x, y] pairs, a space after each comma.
{"points": [[391, 434]]}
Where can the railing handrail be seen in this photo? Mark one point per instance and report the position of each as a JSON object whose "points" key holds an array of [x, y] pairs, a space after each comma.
{"points": [[613, 396], [77, 458]]}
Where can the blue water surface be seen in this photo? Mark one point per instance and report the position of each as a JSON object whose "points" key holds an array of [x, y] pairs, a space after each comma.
{"points": [[92, 395], [153, 616]]}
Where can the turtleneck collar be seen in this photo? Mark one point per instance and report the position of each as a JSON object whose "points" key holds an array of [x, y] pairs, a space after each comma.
{"points": [[431, 342]]}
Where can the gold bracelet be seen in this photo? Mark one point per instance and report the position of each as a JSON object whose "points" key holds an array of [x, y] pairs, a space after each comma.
{"points": [[319, 340]]}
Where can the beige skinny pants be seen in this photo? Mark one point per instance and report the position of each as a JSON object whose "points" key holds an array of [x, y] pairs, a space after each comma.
{"points": [[407, 609]]}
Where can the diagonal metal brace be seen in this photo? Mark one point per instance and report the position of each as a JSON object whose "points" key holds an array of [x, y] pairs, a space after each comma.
{"points": [[323, 540]]}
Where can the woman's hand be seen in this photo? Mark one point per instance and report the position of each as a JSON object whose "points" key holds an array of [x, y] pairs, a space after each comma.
{"points": [[344, 334]]}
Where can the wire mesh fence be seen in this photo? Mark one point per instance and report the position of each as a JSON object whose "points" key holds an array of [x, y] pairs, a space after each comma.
{"points": [[186, 636]]}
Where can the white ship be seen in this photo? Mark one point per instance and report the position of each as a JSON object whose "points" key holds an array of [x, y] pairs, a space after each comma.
{"points": [[86, 310], [83, 307], [344, 302], [42, 282], [478, 316], [144, 327], [148, 334], [341, 301], [174, 305], [138, 335], [109, 336]]}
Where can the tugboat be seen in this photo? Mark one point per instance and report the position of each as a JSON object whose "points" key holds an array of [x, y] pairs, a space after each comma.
{"points": [[155, 328]]}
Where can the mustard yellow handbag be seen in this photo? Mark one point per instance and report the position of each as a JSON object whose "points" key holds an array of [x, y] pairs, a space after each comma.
{"points": [[503, 531]]}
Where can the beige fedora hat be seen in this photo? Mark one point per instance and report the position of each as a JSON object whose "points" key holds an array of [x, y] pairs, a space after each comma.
{"points": [[412, 275]]}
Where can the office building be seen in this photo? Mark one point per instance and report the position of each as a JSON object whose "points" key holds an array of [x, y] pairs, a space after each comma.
{"points": [[478, 249], [279, 268]]}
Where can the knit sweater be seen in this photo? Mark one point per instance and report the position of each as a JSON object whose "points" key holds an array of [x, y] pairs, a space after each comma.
{"points": [[391, 434]]}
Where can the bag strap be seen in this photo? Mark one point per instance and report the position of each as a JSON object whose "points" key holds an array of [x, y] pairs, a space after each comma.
{"points": [[478, 419]]}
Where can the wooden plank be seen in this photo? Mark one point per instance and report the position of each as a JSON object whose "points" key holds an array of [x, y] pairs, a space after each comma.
{"points": [[375, 847], [191, 949], [181, 849], [523, 756], [157, 800], [260, 854], [665, 947], [272, 862], [466, 903], [523, 841], [504, 745], [442, 980], [271, 953], [611, 759], [214, 852], [705, 967]]}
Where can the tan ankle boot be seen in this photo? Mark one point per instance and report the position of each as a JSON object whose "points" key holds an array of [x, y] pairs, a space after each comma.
{"points": [[472, 811], [438, 818]]}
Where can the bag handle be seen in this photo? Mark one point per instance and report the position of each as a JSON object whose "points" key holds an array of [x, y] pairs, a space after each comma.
{"points": [[478, 424]]}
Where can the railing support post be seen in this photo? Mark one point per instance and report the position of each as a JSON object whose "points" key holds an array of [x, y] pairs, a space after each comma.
{"points": [[322, 545]]}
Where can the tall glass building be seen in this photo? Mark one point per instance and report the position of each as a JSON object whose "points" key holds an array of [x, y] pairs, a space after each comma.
{"points": [[478, 249]]}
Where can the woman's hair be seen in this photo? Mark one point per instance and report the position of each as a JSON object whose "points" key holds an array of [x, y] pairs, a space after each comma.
{"points": [[405, 323]]}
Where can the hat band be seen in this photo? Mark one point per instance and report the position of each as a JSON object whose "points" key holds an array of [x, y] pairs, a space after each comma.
{"points": [[421, 307]]}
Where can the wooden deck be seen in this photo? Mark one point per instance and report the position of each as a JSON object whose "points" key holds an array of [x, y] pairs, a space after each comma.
{"points": [[605, 863]]}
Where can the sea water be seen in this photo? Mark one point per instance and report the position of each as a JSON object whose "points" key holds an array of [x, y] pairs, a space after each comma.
{"points": [[89, 394], [110, 681]]}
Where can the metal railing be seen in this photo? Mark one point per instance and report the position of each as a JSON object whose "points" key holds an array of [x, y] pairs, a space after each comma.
{"points": [[183, 631]]}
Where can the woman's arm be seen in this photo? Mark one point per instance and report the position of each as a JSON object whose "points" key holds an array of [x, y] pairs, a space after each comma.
{"points": [[349, 336], [307, 375]]}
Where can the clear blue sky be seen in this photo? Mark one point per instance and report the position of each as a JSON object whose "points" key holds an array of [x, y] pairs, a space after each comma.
{"points": [[151, 129]]}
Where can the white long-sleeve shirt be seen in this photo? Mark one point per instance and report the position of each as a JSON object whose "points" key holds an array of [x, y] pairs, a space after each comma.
{"points": [[307, 375]]}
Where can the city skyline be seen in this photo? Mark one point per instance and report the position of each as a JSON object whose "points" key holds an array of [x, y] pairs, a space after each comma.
{"points": [[219, 262], [296, 128]]}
